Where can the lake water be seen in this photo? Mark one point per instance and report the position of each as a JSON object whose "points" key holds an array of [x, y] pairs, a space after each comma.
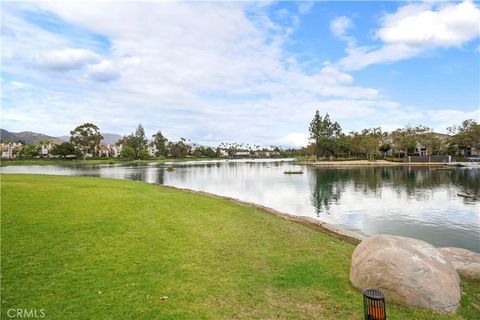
{"points": [[417, 202]]}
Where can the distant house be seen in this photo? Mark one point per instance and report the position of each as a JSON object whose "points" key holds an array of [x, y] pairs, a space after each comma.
{"points": [[470, 152], [45, 149], [8, 148], [109, 150], [152, 150], [266, 154], [116, 149], [7, 152], [420, 150], [223, 153], [104, 150], [241, 154], [193, 147]]}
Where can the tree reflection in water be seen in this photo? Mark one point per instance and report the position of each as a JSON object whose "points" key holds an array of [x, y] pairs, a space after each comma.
{"points": [[328, 184]]}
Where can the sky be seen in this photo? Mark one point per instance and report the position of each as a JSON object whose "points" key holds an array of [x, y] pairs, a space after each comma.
{"points": [[238, 71]]}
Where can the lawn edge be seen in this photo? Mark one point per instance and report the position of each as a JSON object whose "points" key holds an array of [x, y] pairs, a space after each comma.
{"points": [[319, 225]]}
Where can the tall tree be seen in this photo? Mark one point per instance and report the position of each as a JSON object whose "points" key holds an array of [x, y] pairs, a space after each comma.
{"points": [[355, 142], [160, 143], [179, 149], [137, 142], [86, 137], [325, 135], [405, 139], [29, 151], [431, 142], [64, 149], [466, 135], [371, 141]]}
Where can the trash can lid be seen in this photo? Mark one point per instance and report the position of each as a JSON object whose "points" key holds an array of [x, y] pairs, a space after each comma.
{"points": [[373, 293]]}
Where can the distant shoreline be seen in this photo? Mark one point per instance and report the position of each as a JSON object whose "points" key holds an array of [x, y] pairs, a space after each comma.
{"points": [[366, 163]]}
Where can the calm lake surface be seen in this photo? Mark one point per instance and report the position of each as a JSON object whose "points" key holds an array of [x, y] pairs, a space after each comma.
{"points": [[416, 202]]}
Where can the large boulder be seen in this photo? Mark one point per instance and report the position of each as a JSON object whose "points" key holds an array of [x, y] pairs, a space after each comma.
{"points": [[465, 261], [409, 272]]}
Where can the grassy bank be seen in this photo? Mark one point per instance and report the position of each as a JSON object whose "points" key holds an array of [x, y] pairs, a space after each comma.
{"points": [[90, 248], [40, 162]]}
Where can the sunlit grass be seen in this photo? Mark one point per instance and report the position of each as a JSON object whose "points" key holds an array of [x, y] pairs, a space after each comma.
{"points": [[91, 248]]}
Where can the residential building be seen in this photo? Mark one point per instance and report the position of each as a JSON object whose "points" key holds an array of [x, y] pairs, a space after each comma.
{"points": [[152, 150], [104, 150], [8, 149], [45, 149], [242, 154], [109, 150]]}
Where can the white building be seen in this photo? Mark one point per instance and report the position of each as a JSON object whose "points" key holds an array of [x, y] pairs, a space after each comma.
{"points": [[242, 154], [116, 149], [104, 150], [109, 150], [8, 148], [152, 150], [45, 149]]}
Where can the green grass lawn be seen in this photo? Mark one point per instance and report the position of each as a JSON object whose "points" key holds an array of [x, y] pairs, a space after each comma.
{"points": [[91, 248]]}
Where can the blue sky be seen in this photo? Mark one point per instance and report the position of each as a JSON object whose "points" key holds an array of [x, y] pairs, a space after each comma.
{"points": [[238, 71]]}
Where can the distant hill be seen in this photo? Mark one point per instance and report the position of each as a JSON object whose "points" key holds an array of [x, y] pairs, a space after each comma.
{"points": [[26, 136], [108, 138], [111, 138], [32, 137]]}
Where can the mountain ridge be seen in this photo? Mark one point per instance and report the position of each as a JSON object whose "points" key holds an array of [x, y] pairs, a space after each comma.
{"points": [[33, 137]]}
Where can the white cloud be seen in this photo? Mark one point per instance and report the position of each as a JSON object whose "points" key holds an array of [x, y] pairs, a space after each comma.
{"points": [[304, 7], [448, 117], [340, 25], [414, 25], [66, 59], [360, 57], [415, 28], [105, 71], [207, 79], [294, 139]]}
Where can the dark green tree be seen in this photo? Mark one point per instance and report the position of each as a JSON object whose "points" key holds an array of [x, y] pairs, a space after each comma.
{"points": [[86, 138], [138, 142], [30, 151], [179, 149], [385, 147], [64, 149], [466, 135], [325, 135], [127, 152], [209, 152], [160, 143]]}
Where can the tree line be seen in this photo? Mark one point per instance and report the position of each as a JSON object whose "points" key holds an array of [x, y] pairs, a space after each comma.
{"points": [[85, 142], [327, 140]]}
